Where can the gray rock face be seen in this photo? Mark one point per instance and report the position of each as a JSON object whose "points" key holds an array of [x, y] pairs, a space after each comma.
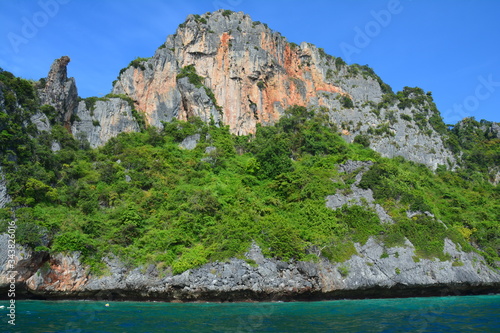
{"points": [[26, 262], [371, 268], [196, 103], [414, 144], [255, 254], [391, 134], [494, 175], [60, 91], [495, 130], [4, 196], [374, 271], [41, 122], [108, 119], [356, 195], [190, 142]]}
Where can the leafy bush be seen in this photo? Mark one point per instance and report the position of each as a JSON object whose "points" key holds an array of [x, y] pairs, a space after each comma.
{"points": [[73, 241], [346, 102], [189, 71], [136, 63], [362, 139], [50, 112], [405, 117], [339, 63]]}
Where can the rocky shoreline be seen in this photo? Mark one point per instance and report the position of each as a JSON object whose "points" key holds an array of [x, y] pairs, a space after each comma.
{"points": [[250, 296], [368, 274]]}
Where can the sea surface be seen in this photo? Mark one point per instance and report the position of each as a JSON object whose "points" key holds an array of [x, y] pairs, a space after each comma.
{"points": [[433, 314]]}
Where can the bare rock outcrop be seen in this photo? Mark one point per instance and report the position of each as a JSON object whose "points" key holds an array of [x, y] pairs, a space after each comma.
{"points": [[4, 195], [103, 120], [60, 91], [357, 196], [253, 72]]}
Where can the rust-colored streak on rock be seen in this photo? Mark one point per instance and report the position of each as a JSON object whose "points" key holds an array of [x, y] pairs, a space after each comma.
{"points": [[142, 92], [64, 275], [222, 60], [321, 85], [292, 62]]}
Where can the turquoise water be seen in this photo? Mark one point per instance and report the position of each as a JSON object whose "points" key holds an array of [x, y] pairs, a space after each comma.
{"points": [[443, 314]]}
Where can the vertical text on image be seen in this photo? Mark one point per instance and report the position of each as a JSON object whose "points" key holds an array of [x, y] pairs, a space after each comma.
{"points": [[11, 274]]}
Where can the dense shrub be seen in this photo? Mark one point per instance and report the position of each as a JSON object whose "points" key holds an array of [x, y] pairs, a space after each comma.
{"points": [[362, 139], [189, 71]]}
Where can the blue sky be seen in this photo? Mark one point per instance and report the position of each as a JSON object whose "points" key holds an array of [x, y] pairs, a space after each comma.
{"points": [[449, 47]]}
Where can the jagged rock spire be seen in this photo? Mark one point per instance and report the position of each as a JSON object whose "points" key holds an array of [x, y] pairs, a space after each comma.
{"points": [[60, 91]]}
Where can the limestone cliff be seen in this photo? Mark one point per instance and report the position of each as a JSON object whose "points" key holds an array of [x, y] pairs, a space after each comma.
{"points": [[247, 74], [103, 120], [251, 74]]}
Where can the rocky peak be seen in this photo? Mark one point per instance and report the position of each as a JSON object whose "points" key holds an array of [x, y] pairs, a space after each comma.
{"points": [[226, 67], [60, 91], [251, 72], [58, 71]]}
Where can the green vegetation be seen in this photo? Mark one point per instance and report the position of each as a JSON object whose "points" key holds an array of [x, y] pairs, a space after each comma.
{"points": [[322, 52], [189, 71], [329, 74], [363, 140], [146, 200], [211, 95], [425, 110], [136, 63], [339, 63], [405, 117], [346, 102], [381, 129], [344, 271], [199, 19], [50, 112]]}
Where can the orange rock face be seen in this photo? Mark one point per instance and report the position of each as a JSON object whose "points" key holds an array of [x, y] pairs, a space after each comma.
{"points": [[64, 274], [253, 72]]}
